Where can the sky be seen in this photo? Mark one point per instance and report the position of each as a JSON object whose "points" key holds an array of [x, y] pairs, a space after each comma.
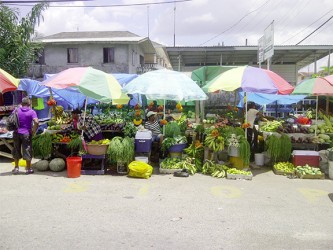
{"points": [[196, 22]]}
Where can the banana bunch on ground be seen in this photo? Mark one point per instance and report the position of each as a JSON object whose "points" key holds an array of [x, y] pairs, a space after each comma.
{"points": [[219, 171], [213, 169], [188, 164]]}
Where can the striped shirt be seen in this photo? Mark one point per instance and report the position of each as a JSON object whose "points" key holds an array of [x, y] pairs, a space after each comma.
{"points": [[153, 127]]}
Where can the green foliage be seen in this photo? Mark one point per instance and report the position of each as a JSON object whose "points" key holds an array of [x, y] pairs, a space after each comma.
{"points": [[121, 149], [130, 129], [172, 129], [279, 148], [42, 145], [18, 50], [244, 151]]}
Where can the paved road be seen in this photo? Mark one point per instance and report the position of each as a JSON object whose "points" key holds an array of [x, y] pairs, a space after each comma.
{"points": [[50, 211]]}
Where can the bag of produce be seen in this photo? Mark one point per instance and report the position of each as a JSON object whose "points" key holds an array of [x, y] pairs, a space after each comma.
{"points": [[140, 169]]}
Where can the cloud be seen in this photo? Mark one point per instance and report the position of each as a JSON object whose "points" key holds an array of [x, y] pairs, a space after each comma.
{"points": [[206, 22]]}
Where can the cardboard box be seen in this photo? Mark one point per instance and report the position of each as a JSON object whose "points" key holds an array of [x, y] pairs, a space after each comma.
{"points": [[303, 157]]}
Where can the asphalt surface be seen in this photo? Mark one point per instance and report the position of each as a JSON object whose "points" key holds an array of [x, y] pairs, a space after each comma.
{"points": [[47, 210]]}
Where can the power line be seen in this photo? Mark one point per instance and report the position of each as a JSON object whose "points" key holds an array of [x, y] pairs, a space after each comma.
{"points": [[315, 30], [103, 6], [307, 26], [235, 23], [41, 1]]}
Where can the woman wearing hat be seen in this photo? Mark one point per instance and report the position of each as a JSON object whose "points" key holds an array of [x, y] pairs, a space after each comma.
{"points": [[154, 127]]}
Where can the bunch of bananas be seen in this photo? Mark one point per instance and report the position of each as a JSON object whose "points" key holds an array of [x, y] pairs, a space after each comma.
{"points": [[57, 110], [215, 143]]}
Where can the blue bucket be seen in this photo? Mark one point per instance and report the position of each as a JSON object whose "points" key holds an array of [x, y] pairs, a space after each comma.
{"points": [[178, 147]]}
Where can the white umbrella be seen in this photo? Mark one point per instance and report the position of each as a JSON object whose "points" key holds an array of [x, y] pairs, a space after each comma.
{"points": [[165, 84]]}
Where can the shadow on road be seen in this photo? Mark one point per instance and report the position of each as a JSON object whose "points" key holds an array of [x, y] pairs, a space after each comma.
{"points": [[330, 196]]}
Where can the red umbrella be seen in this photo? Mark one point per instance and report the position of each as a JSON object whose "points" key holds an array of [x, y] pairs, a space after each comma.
{"points": [[7, 82]]}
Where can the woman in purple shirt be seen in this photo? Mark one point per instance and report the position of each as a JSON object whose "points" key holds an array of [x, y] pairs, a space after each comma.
{"points": [[23, 135]]}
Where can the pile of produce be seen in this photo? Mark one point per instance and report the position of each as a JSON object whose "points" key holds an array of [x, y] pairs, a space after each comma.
{"points": [[110, 122], [321, 138], [196, 151], [327, 127], [238, 172], [171, 141], [307, 170], [213, 169], [64, 138], [214, 141], [56, 165], [177, 163], [284, 167], [291, 128], [100, 142], [271, 126]]}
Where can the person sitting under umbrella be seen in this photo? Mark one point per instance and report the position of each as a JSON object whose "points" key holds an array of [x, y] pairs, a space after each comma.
{"points": [[154, 127], [91, 129]]}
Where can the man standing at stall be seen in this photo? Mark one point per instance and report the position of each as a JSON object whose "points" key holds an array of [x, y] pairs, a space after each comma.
{"points": [[23, 135]]}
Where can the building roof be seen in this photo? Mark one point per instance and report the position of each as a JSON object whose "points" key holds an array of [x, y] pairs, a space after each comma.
{"points": [[301, 55], [98, 37]]}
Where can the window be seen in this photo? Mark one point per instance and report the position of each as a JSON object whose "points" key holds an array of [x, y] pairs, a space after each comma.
{"points": [[40, 57], [72, 55], [142, 60], [108, 55], [134, 57]]}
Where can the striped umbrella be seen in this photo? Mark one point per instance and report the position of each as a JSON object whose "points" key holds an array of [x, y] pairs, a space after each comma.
{"points": [[7, 82], [250, 79], [315, 86], [90, 82]]}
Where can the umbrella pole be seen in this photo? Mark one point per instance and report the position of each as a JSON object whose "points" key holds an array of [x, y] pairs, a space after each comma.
{"points": [[245, 113], [316, 115], [84, 114], [164, 117]]}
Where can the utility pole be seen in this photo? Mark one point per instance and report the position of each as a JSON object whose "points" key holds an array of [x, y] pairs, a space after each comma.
{"points": [[174, 25]]}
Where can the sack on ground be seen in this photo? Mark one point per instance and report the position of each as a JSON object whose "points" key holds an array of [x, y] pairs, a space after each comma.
{"points": [[12, 122], [140, 169]]}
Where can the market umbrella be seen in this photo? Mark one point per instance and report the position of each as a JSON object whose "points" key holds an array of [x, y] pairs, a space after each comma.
{"points": [[315, 87], [165, 84], [89, 81], [7, 82], [250, 79]]}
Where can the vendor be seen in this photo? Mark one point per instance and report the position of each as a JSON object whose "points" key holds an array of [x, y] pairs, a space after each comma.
{"points": [[252, 114], [91, 129], [154, 127]]}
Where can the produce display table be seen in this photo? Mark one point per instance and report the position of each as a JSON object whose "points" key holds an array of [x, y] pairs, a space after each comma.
{"points": [[305, 146], [6, 140], [88, 159]]}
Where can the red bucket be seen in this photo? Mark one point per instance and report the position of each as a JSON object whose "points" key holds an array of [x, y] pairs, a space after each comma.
{"points": [[74, 164]]}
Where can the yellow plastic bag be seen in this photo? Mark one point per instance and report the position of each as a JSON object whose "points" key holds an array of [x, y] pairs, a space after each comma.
{"points": [[22, 163], [140, 169]]}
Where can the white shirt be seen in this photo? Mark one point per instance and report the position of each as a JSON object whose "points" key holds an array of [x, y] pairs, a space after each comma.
{"points": [[251, 116]]}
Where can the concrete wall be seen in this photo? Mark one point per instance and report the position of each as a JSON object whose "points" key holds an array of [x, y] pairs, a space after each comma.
{"points": [[126, 58]]}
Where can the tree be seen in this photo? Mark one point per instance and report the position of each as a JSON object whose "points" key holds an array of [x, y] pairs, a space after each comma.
{"points": [[17, 48]]}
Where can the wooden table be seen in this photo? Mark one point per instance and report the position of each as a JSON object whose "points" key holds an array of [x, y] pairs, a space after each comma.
{"points": [[7, 140]]}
